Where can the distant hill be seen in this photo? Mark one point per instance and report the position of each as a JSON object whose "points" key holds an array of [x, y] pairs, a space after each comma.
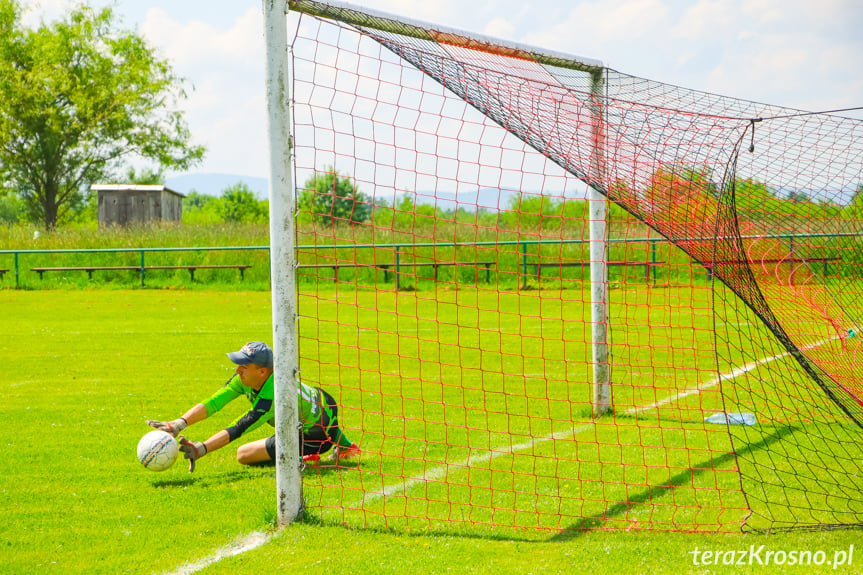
{"points": [[214, 184], [489, 199], [485, 199]]}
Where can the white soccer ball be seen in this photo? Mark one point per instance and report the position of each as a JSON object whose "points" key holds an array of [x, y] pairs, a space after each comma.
{"points": [[157, 451]]}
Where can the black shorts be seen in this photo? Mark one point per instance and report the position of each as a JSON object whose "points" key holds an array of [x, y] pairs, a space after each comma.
{"points": [[318, 438]]}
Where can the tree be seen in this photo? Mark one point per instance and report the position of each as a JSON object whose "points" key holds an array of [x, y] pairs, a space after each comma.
{"points": [[201, 208], [12, 209], [146, 177], [679, 196], [854, 210], [239, 204], [332, 197], [796, 196], [77, 98], [857, 199]]}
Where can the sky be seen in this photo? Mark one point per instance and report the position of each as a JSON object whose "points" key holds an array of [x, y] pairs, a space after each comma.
{"points": [[802, 54]]}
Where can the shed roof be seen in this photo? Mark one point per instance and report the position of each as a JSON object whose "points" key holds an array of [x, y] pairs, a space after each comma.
{"points": [[134, 188]]}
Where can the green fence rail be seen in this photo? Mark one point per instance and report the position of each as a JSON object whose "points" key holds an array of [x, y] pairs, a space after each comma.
{"points": [[522, 247]]}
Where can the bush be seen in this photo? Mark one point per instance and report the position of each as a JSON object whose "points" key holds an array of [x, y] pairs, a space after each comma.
{"points": [[330, 198], [12, 209], [239, 204]]}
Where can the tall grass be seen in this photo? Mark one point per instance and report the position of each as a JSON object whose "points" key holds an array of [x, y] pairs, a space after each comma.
{"points": [[27, 237], [512, 247]]}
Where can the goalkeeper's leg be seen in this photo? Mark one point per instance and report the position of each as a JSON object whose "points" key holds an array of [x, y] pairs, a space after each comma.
{"points": [[257, 451], [344, 447]]}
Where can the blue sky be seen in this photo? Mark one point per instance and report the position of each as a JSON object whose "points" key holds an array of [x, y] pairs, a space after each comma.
{"points": [[799, 53]]}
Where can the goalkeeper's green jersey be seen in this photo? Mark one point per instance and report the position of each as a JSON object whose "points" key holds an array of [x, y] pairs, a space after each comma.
{"points": [[311, 401]]}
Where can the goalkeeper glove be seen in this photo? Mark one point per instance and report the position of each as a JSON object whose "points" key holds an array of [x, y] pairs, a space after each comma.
{"points": [[172, 427], [192, 450]]}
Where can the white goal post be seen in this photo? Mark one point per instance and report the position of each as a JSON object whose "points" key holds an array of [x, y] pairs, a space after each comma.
{"points": [[282, 268]]}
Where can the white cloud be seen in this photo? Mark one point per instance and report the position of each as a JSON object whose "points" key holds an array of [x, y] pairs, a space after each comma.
{"points": [[706, 19], [610, 31], [226, 110], [499, 28], [35, 12], [621, 19], [787, 52], [198, 43]]}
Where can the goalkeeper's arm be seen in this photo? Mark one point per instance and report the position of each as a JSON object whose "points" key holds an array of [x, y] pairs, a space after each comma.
{"points": [[194, 450]]}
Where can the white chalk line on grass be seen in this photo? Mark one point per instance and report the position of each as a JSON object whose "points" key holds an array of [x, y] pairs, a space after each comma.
{"points": [[236, 547], [258, 538]]}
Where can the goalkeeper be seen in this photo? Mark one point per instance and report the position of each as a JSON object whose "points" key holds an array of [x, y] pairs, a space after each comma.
{"points": [[254, 379]]}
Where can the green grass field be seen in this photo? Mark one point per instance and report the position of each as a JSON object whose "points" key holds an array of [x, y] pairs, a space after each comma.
{"points": [[480, 453]]}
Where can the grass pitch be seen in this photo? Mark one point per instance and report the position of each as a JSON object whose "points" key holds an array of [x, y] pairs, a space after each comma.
{"points": [[85, 369]]}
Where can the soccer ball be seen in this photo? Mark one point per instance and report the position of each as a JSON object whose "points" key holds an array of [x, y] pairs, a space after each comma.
{"points": [[157, 451]]}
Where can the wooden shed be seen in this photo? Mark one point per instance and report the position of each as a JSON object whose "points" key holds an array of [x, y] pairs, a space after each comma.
{"points": [[129, 204]]}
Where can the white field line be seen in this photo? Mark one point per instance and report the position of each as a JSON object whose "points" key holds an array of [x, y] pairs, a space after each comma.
{"points": [[256, 539], [235, 547]]}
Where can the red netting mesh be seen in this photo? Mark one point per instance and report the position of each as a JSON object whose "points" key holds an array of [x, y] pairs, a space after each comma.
{"points": [[444, 290]]}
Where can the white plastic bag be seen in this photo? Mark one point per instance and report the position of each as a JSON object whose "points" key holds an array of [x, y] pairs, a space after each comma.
{"points": [[731, 418]]}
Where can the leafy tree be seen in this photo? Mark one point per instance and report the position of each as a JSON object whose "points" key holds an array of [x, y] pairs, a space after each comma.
{"points": [[197, 201], [753, 196], [857, 199], [239, 204], [854, 210], [12, 209], [530, 211], [77, 97], [146, 177], [797, 196], [680, 194], [332, 197], [201, 208]]}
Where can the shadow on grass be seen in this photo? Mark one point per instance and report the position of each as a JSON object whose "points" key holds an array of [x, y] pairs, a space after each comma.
{"points": [[201, 480], [252, 471], [168, 483], [466, 533], [654, 492]]}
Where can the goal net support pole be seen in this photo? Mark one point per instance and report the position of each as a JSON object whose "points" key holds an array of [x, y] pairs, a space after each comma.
{"points": [[288, 476], [601, 396]]}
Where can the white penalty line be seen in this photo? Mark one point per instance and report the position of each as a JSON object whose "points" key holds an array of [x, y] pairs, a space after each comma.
{"points": [[236, 547], [254, 540]]}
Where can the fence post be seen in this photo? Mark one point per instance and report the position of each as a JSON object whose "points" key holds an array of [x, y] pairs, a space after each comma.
{"points": [[523, 263], [653, 261], [396, 279]]}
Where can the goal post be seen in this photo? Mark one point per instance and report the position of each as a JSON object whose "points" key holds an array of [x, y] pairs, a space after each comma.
{"points": [[282, 264], [602, 398]]}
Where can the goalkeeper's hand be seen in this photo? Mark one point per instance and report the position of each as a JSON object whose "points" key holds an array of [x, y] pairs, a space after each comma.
{"points": [[172, 427], [192, 450]]}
